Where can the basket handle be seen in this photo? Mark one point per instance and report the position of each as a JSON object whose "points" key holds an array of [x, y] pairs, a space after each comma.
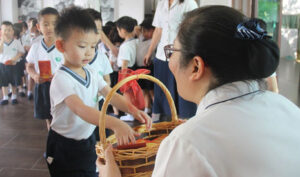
{"points": [[117, 86]]}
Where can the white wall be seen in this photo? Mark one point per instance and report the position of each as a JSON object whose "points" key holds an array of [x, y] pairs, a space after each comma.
{"points": [[216, 2], [132, 8], [9, 10]]}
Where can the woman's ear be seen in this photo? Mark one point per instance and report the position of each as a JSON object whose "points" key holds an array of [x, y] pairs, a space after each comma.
{"points": [[197, 68], [59, 45]]}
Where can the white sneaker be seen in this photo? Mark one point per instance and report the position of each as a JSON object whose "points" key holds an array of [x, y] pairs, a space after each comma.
{"points": [[127, 117]]}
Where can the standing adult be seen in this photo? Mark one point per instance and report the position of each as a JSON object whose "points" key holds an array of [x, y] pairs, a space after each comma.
{"points": [[168, 16]]}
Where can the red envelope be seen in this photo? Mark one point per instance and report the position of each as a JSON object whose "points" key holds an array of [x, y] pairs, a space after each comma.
{"points": [[45, 69]]}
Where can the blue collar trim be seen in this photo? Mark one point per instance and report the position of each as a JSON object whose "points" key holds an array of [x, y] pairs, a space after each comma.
{"points": [[8, 44], [46, 48], [96, 54], [86, 82]]}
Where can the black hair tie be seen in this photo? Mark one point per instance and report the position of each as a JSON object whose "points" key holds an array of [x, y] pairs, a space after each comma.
{"points": [[251, 30]]}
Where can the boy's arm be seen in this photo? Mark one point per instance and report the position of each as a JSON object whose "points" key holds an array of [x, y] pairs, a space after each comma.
{"points": [[124, 105], [124, 64], [108, 43], [107, 79], [33, 74], [19, 55], [123, 132]]}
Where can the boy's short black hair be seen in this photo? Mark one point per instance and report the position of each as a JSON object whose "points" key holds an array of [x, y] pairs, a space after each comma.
{"points": [[147, 23], [95, 14], [74, 18], [126, 23], [7, 23], [17, 29], [47, 11]]}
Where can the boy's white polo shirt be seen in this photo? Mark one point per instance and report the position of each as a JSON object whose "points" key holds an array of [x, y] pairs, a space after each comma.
{"points": [[10, 50], [169, 19], [40, 52], [100, 63], [64, 84], [127, 52]]}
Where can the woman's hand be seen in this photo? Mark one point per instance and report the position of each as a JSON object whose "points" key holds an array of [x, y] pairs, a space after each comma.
{"points": [[125, 134], [147, 59], [110, 168]]}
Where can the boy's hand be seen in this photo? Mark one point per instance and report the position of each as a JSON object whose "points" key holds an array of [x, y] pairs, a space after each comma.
{"points": [[125, 134], [37, 79], [143, 118]]}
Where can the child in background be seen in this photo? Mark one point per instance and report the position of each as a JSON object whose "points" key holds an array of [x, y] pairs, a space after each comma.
{"points": [[127, 52], [74, 92], [32, 36], [20, 65], [143, 45], [11, 51], [116, 40], [44, 50]]}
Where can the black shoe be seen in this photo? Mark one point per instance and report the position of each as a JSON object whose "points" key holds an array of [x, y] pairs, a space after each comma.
{"points": [[14, 101], [3, 102], [24, 87], [22, 94], [9, 94], [30, 97]]}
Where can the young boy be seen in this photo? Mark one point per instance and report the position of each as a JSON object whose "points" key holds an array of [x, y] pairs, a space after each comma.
{"points": [[11, 51], [127, 51], [100, 62], [44, 50], [74, 92]]}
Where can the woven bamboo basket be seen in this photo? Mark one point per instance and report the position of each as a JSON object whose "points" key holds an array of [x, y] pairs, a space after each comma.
{"points": [[137, 162]]}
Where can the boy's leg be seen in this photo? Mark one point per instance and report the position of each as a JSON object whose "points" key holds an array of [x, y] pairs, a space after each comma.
{"points": [[4, 101], [14, 95], [30, 86]]}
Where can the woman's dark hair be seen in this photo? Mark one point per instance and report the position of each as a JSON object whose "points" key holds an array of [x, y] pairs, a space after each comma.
{"points": [[210, 32], [74, 18], [126, 23]]}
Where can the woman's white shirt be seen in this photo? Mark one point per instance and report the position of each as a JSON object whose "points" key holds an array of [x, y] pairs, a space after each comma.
{"points": [[257, 134], [169, 19]]}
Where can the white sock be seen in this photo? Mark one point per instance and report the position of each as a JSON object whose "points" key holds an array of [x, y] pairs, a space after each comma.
{"points": [[5, 97], [155, 117], [29, 92], [147, 110], [13, 96]]}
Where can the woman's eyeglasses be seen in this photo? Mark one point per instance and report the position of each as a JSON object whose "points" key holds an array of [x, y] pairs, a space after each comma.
{"points": [[169, 50]]}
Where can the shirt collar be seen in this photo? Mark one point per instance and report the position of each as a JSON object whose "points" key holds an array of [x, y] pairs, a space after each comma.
{"points": [[86, 82], [228, 92], [46, 48], [8, 44], [96, 54], [172, 5]]}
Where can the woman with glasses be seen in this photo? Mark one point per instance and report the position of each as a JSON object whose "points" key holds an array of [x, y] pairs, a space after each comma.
{"points": [[168, 15], [219, 60]]}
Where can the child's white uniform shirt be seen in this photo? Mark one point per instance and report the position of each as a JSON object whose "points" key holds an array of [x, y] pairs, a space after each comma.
{"points": [[101, 65], [127, 52], [40, 52], [64, 84], [169, 19], [10, 50]]}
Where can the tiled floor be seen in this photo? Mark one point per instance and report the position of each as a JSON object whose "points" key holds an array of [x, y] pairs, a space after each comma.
{"points": [[23, 138]]}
